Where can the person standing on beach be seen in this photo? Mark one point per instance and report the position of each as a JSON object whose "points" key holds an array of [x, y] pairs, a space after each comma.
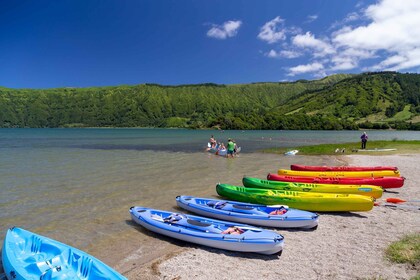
{"points": [[364, 138], [230, 148]]}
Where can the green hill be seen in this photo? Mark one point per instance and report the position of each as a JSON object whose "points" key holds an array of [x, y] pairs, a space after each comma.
{"points": [[371, 100], [377, 100]]}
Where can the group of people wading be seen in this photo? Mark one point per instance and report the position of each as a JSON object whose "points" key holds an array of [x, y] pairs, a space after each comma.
{"points": [[231, 146]]}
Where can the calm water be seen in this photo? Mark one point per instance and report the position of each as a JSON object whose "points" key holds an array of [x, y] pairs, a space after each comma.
{"points": [[76, 185]]}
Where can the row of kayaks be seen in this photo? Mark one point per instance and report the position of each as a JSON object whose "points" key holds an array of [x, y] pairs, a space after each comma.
{"points": [[317, 188], [260, 202], [223, 224]]}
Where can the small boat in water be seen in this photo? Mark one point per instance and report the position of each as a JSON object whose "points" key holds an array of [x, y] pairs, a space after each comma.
{"points": [[280, 216], [27, 255], [209, 232], [325, 202], [368, 190], [384, 182], [299, 167]]}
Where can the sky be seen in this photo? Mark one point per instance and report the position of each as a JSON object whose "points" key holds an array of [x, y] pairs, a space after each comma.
{"points": [[82, 43]]}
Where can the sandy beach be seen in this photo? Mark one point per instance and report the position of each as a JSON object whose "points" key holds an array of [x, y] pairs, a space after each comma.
{"points": [[345, 245]]}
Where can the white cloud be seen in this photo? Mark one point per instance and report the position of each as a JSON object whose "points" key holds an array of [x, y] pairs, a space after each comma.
{"points": [[311, 18], [398, 62], [381, 36], [393, 29], [352, 17], [273, 31], [228, 29], [283, 53], [306, 68], [308, 40]]}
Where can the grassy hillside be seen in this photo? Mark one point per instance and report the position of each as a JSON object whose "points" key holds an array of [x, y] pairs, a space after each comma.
{"points": [[334, 102], [371, 100]]}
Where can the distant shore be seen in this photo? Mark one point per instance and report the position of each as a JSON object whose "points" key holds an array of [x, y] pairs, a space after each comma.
{"points": [[345, 245]]}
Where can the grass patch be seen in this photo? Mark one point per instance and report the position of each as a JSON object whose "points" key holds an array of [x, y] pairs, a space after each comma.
{"points": [[404, 115], [406, 250], [412, 146]]}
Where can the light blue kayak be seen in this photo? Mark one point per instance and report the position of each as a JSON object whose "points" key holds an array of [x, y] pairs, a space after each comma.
{"points": [[27, 255], [209, 232], [280, 216]]}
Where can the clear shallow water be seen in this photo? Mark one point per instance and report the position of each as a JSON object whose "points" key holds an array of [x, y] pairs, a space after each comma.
{"points": [[76, 185]]}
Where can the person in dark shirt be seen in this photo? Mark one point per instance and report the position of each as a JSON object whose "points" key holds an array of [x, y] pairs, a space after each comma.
{"points": [[364, 138]]}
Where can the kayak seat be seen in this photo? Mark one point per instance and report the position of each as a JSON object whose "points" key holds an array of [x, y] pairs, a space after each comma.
{"points": [[174, 217], [243, 207], [217, 204], [198, 223]]}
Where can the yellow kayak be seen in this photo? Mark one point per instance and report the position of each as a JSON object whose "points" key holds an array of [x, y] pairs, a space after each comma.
{"points": [[325, 202], [373, 191], [341, 174]]}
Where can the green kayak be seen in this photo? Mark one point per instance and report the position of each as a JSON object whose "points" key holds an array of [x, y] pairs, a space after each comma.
{"points": [[309, 201], [373, 191]]}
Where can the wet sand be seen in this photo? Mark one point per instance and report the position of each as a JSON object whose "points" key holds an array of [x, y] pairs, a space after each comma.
{"points": [[345, 245]]}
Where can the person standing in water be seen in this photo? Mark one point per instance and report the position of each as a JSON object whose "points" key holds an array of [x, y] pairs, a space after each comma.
{"points": [[364, 138], [230, 148]]}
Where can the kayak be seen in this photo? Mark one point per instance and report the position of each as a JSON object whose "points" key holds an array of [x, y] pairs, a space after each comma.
{"points": [[209, 232], [341, 174], [299, 167], [27, 255], [256, 214], [322, 202], [291, 153], [384, 182], [368, 190]]}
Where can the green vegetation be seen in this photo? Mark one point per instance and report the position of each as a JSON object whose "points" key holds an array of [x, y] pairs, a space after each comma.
{"points": [[412, 146], [406, 250], [371, 100]]}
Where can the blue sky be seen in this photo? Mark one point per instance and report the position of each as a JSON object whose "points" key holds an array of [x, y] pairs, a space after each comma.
{"points": [[81, 43]]}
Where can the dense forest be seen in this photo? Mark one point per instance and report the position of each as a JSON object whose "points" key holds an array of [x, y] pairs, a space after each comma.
{"points": [[370, 100]]}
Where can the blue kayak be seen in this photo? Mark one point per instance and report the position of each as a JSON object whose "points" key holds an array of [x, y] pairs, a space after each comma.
{"points": [[27, 255], [209, 232], [280, 216]]}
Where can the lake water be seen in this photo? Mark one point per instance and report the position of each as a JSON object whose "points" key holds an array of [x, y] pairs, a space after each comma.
{"points": [[76, 185]]}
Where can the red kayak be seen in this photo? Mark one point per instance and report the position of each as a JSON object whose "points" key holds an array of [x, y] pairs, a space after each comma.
{"points": [[384, 182], [299, 167]]}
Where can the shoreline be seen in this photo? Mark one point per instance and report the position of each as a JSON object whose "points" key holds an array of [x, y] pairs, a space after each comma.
{"points": [[345, 245]]}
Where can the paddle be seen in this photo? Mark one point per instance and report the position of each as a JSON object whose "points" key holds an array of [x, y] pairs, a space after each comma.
{"points": [[157, 218], [248, 228], [278, 206], [402, 206], [397, 206], [399, 200]]}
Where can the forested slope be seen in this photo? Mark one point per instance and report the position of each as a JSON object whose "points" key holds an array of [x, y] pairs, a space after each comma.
{"points": [[335, 102]]}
